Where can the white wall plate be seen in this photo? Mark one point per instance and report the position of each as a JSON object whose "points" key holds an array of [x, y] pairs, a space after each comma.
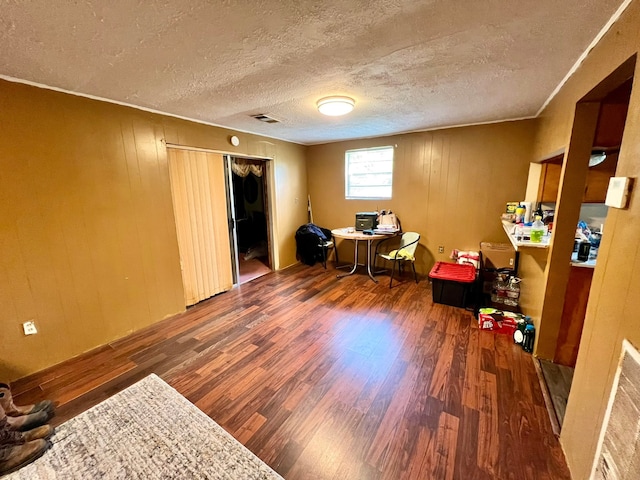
{"points": [[618, 192]]}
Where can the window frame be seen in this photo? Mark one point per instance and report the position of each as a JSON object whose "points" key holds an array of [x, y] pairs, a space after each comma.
{"points": [[347, 183]]}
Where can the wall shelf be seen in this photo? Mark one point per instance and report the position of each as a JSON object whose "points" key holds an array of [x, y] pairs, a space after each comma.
{"points": [[519, 244]]}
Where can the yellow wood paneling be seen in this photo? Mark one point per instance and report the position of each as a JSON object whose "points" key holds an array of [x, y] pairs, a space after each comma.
{"points": [[572, 180], [531, 267], [612, 308], [450, 185], [88, 238]]}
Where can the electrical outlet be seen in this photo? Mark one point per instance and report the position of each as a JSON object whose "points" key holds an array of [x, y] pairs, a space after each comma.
{"points": [[30, 328], [441, 249]]}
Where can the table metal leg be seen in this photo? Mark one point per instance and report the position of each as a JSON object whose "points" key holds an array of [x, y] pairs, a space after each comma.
{"points": [[369, 261], [355, 263]]}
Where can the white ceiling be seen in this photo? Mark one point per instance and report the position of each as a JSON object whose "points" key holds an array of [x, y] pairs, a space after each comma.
{"points": [[410, 65]]}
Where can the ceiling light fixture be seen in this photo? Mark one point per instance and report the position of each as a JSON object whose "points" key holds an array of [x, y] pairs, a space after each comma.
{"points": [[597, 157], [335, 106]]}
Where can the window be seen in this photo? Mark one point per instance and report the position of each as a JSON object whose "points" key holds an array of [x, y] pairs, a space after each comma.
{"points": [[369, 172]]}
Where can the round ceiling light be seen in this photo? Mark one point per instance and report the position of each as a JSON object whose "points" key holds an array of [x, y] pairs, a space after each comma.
{"points": [[335, 106]]}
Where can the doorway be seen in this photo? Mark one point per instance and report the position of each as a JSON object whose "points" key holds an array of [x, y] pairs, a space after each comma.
{"points": [[251, 216], [611, 98]]}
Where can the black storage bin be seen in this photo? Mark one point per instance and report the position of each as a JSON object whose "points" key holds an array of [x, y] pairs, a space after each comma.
{"points": [[452, 283]]}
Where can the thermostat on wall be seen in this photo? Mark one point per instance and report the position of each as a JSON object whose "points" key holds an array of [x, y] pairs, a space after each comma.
{"points": [[618, 192]]}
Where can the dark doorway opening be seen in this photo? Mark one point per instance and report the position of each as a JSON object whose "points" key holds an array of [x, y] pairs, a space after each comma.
{"points": [[251, 218]]}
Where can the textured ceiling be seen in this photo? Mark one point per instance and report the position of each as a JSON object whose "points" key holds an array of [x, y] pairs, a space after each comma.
{"points": [[410, 65]]}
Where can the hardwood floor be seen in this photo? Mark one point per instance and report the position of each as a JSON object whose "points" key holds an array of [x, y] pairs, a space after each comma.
{"points": [[336, 379], [558, 380], [250, 269]]}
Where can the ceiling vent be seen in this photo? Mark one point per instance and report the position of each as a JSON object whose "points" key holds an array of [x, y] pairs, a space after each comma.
{"points": [[264, 118]]}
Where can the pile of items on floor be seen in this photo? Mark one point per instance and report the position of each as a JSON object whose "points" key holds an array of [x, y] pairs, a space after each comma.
{"points": [[24, 431], [509, 323], [485, 281]]}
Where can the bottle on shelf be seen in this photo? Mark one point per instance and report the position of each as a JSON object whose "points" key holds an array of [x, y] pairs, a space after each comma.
{"points": [[520, 211], [513, 292], [500, 287], [537, 230], [538, 211]]}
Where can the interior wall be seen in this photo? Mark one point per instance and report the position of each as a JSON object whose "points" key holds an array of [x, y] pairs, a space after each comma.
{"points": [[87, 231], [531, 267], [570, 193], [451, 185], [612, 308]]}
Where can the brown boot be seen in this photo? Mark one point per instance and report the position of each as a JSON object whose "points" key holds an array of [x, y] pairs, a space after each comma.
{"points": [[12, 437], [8, 436], [12, 410], [43, 431], [29, 422], [13, 457]]}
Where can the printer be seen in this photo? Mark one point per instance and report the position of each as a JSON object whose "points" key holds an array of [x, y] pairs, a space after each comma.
{"points": [[366, 220]]}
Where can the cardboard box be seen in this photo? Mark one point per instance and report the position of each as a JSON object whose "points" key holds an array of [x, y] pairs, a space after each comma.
{"points": [[511, 207], [496, 256]]}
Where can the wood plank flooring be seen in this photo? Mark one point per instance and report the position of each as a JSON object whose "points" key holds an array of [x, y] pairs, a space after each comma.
{"points": [[250, 269], [558, 380], [327, 378]]}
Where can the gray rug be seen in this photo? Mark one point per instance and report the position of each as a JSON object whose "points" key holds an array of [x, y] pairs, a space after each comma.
{"points": [[148, 431]]}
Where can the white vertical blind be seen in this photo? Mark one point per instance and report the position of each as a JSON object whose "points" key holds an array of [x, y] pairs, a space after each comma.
{"points": [[200, 207]]}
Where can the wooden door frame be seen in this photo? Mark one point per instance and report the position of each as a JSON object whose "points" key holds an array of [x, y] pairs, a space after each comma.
{"points": [[268, 196], [574, 172], [269, 200]]}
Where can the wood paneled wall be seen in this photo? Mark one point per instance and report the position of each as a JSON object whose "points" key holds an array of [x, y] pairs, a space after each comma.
{"points": [[612, 311], [87, 232], [449, 185]]}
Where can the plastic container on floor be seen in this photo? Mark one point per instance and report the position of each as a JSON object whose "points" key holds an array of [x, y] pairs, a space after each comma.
{"points": [[452, 283]]}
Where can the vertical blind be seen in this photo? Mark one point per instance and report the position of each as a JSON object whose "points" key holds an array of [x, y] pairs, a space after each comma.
{"points": [[200, 207]]}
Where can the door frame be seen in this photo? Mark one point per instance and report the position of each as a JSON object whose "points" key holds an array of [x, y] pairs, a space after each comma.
{"points": [[269, 192], [268, 197], [574, 172]]}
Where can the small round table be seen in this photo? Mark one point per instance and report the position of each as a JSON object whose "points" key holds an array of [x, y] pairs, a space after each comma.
{"points": [[356, 236]]}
